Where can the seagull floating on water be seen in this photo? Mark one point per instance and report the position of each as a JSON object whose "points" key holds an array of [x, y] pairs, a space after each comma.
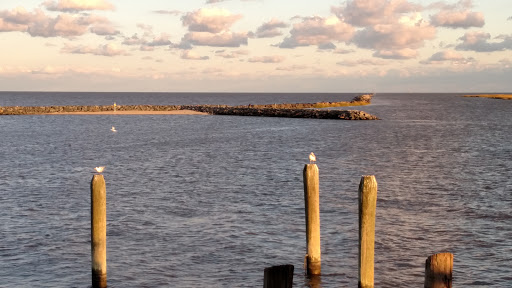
{"points": [[99, 169], [312, 158], [113, 129]]}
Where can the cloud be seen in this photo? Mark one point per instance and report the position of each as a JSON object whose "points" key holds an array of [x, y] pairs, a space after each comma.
{"points": [[364, 13], [213, 20], [448, 56], [458, 19], [225, 39], [38, 24], [134, 40], [168, 12], [191, 55], [405, 53], [509, 18], [267, 59], [109, 50], [360, 62], [292, 68], [231, 54], [269, 29], [344, 51], [478, 41], [317, 31], [162, 40], [327, 46], [408, 32], [77, 5]]}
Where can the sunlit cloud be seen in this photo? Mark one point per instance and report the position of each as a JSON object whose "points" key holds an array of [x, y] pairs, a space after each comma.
{"points": [[458, 19], [77, 5], [100, 50], [267, 59], [317, 31], [269, 29], [448, 56], [213, 20], [231, 54], [191, 55]]}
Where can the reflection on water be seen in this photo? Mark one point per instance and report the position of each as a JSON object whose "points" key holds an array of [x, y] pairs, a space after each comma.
{"points": [[210, 201]]}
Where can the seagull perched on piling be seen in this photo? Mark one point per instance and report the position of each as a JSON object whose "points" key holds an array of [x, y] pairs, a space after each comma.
{"points": [[99, 169], [312, 158]]}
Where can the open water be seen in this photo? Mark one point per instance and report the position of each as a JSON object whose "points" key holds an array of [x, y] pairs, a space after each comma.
{"points": [[210, 201]]}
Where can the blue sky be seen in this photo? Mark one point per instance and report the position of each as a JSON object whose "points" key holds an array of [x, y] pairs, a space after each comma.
{"points": [[256, 46]]}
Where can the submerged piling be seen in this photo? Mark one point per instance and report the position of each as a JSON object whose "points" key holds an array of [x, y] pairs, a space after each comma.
{"points": [[278, 276], [312, 209], [438, 271], [367, 207], [98, 231]]}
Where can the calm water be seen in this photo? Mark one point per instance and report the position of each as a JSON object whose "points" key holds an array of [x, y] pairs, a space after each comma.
{"points": [[210, 201]]}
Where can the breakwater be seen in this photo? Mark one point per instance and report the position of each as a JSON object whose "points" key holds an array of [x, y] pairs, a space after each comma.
{"points": [[289, 110]]}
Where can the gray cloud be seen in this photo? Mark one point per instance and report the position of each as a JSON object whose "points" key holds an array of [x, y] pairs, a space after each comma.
{"points": [[458, 19], [448, 56], [396, 54], [327, 46], [226, 39], [191, 55], [360, 62], [267, 59], [478, 41], [269, 29], [168, 12]]}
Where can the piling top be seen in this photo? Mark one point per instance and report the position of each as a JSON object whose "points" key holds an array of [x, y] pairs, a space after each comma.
{"points": [[98, 178]]}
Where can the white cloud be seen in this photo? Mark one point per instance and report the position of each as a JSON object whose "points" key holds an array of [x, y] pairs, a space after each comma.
{"points": [[213, 20], [231, 54], [225, 39], [101, 50], [191, 55], [267, 59], [479, 41], [317, 31], [77, 5]]}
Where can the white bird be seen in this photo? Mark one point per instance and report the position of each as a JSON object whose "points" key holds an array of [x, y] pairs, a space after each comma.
{"points": [[99, 169], [312, 158], [113, 129]]}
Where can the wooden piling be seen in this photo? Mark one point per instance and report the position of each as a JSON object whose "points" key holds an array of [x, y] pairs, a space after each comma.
{"points": [[98, 231], [312, 208], [278, 276], [438, 271], [367, 207]]}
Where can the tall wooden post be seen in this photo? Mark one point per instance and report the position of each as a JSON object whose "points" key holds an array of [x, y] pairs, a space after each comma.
{"points": [[367, 207], [278, 277], [312, 205], [438, 271], [99, 231]]}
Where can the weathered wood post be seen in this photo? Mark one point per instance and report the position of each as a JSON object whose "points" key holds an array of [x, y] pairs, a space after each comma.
{"points": [[99, 231], [438, 271], [278, 276], [312, 205], [367, 207]]}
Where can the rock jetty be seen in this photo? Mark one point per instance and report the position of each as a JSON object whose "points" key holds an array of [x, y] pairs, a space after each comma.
{"points": [[294, 110]]}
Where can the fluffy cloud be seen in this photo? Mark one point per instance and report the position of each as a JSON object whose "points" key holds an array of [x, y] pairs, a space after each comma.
{"points": [[267, 59], [101, 50], [38, 24], [317, 31], [458, 19], [213, 20], [408, 32], [479, 41], [364, 13], [225, 39], [162, 40], [269, 29], [191, 55], [77, 5], [405, 53]]}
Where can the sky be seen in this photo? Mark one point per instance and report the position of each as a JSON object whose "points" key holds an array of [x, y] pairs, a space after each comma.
{"points": [[256, 46]]}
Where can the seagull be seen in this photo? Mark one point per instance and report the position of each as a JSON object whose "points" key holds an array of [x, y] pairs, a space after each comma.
{"points": [[312, 158], [99, 169], [113, 129]]}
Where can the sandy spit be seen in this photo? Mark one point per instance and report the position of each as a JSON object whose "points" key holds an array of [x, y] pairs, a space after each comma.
{"points": [[133, 112]]}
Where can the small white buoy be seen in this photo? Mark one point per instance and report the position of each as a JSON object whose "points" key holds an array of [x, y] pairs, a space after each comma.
{"points": [[99, 169], [312, 158]]}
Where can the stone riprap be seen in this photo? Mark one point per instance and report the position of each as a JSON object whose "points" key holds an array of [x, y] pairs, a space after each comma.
{"points": [[293, 110]]}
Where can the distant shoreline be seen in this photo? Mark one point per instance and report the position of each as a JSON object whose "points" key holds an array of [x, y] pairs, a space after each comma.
{"points": [[493, 96]]}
